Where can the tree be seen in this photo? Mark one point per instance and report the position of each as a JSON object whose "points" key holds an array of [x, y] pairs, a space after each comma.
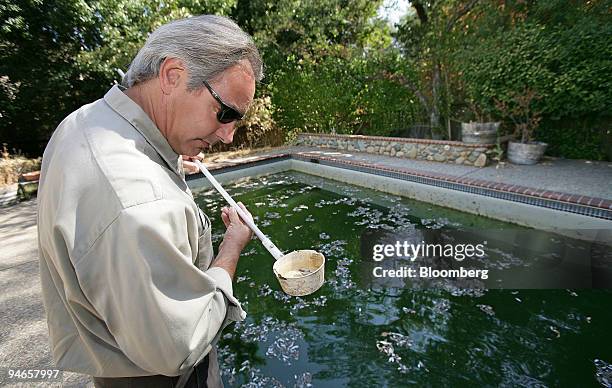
{"points": [[60, 54], [559, 49], [425, 35], [39, 41]]}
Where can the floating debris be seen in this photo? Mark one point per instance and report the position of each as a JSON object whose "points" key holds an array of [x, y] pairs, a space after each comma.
{"points": [[249, 252], [420, 365], [554, 330], [372, 219], [284, 349], [485, 308], [264, 290], [324, 236], [331, 249], [472, 292], [361, 211], [302, 304], [343, 275], [300, 208], [441, 306], [281, 296], [432, 223], [241, 279], [498, 259], [603, 373], [398, 339], [256, 379], [386, 347], [303, 381], [269, 328]]}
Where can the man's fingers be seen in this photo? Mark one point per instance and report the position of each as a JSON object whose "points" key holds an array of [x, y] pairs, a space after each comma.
{"points": [[244, 209], [225, 219], [233, 216], [190, 167]]}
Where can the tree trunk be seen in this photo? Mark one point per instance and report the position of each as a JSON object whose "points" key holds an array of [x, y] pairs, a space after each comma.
{"points": [[434, 116]]}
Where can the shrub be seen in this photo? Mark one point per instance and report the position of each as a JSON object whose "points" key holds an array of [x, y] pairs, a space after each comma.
{"points": [[11, 166], [257, 129]]}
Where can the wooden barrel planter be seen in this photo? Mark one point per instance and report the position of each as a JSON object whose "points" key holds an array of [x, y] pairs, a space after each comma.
{"points": [[479, 133], [30, 176], [27, 186], [526, 153]]}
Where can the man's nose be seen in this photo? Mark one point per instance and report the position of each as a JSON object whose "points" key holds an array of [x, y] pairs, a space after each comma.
{"points": [[226, 132]]}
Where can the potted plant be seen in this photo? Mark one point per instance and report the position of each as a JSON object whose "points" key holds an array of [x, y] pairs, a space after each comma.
{"points": [[481, 131], [526, 120]]}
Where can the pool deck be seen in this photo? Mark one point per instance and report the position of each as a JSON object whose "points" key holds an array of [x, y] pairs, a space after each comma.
{"points": [[574, 181], [23, 331]]}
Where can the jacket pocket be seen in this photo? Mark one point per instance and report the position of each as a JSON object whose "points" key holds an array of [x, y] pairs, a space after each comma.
{"points": [[205, 248]]}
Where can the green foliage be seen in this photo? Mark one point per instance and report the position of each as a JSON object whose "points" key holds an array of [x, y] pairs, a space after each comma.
{"points": [[38, 43], [568, 68], [11, 166], [319, 58], [578, 138], [60, 54], [340, 94], [258, 126], [561, 50], [332, 65], [286, 29]]}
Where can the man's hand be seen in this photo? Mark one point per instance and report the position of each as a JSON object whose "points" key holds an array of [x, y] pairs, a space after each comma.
{"points": [[237, 236], [237, 233], [189, 166]]}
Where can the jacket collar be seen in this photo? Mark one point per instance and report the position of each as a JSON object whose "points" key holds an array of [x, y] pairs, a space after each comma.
{"points": [[133, 113]]}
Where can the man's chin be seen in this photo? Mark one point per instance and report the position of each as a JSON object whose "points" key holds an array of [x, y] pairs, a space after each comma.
{"points": [[194, 151], [199, 147]]}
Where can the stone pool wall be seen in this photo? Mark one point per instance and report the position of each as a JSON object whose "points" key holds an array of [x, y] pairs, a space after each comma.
{"points": [[434, 150]]}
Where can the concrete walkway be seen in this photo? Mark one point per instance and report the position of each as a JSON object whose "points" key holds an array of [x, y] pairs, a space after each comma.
{"points": [[581, 177], [23, 330]]}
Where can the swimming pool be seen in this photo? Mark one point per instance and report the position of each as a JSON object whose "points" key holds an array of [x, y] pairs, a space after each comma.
{"points": [[360, 331]]}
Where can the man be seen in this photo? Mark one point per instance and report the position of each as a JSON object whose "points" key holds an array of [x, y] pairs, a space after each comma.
{"points": [[120, 237]]}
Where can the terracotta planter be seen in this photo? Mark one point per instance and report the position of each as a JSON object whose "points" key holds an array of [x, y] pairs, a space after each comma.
{"points": [[479, 133], [526, 153]]}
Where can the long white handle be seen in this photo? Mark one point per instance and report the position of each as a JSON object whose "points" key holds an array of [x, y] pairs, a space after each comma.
{"points": [[269, 245]]}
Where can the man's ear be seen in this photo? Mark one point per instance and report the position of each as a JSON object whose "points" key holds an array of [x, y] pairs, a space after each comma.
{"points": [[171, 74]]}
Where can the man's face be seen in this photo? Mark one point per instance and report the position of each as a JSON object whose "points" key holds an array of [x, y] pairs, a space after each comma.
{"points": [[191, 123]]}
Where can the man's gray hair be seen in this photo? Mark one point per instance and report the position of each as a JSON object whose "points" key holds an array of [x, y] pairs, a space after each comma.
{"points": [[207, 45]]}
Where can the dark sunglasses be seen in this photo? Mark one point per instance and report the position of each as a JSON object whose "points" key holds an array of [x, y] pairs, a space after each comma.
{"points": [[227, 114]]}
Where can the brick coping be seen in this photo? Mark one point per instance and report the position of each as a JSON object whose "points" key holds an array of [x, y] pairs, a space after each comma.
{"points": [[583, 200], [399, 140]]}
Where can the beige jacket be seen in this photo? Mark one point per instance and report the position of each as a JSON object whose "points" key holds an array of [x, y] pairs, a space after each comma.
{"points": [[120, 241]]}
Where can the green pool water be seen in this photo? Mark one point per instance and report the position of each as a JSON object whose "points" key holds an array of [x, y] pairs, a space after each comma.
{"points": [[358, 332]]}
